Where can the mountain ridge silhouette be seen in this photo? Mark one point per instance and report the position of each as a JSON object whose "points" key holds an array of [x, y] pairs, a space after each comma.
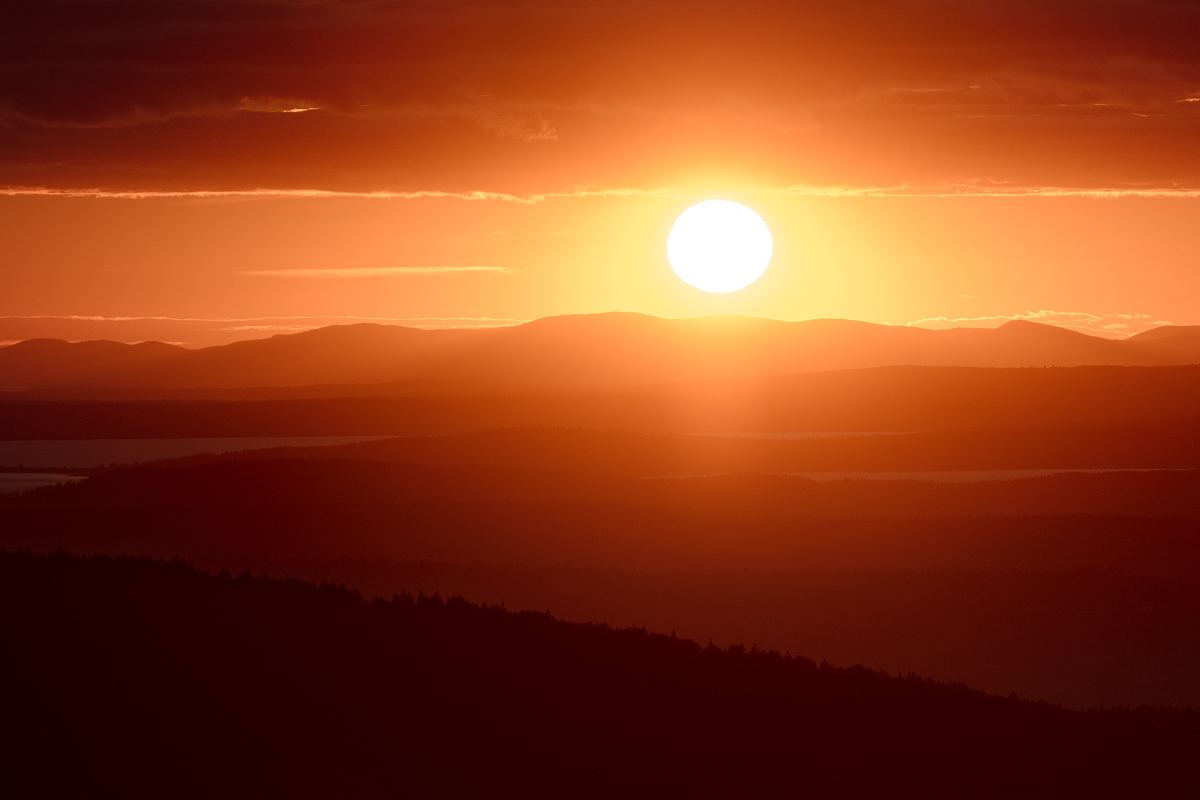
{"points": [[615, 349]]}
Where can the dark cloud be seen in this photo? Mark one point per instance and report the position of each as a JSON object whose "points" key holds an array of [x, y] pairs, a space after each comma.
{"points": [[537, 94]]}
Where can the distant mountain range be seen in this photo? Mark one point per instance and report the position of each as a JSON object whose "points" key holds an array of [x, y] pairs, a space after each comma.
{"points": [[573, 352]]}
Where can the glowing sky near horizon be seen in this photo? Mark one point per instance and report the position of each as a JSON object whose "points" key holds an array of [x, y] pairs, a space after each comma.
{"points": [[214, 171]]}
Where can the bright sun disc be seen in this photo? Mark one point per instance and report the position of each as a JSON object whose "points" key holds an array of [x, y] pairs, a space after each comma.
{"points": [[719, 246]]}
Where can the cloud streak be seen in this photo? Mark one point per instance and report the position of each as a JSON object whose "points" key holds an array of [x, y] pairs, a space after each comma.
{"points": [[198, 331], [343, 273], [321, 318], [810, 191], [474, 196], [1110, 325]]}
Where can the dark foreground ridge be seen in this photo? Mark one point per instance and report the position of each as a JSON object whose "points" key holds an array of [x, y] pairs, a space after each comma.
{"points": [[147, 679]]}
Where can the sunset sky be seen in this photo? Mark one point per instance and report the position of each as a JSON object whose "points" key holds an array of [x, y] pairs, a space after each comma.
{"points": [[207, 170]]}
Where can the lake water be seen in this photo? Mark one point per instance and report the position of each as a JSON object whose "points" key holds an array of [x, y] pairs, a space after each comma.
{"points": [[86, 453]]}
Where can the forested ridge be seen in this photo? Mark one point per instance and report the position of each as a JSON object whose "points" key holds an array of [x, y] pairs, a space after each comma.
{"points": [[139, 678]]}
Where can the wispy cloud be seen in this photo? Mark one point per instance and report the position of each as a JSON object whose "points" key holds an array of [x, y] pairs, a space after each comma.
{"points": [[132, 118], [319, 318], [373, 272], [963, 190], [1111, 325], [479, 195], [432, 323], [968, 190], [199, 331], [276, 105], [266, 327]]}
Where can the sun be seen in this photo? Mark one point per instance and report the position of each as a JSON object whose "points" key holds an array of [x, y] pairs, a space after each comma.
{"points": [[719, 246]]}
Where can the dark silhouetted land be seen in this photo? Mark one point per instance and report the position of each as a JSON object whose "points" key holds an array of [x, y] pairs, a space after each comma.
{"points": [[138, 679], [572, 354], [1082, 588], [702, 476]]}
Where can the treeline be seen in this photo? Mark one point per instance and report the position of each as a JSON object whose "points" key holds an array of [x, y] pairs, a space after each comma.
{"points": [[146, 679], [1079, 608]]}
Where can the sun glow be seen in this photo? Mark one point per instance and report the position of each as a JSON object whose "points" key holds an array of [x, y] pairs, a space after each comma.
{"points": [[719, 246]]}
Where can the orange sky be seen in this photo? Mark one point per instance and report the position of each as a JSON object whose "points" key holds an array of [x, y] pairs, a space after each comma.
{"points": [[918, 160]]}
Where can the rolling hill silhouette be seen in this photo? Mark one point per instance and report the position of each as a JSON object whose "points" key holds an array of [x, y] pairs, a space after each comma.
{"points": [[570, 482], [574, 352], [142, 679], [1079, 588], [898, 399]]}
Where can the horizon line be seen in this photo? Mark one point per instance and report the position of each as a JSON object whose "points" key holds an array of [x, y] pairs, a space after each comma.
{"points": [[932, 324]]}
